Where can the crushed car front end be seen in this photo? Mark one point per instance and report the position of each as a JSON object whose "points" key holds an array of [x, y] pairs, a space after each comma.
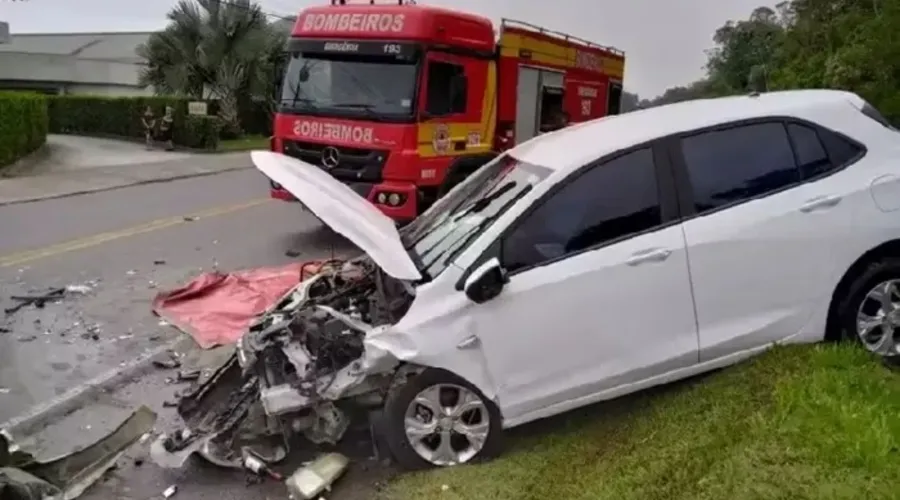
{"points": [[304, 367]]}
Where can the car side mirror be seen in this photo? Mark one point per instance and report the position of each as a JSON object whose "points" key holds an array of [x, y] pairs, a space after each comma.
{"points": [[486, 281]]}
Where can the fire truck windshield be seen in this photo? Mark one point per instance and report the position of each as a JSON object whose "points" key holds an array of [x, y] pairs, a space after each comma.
{"points": [[378, 88]]}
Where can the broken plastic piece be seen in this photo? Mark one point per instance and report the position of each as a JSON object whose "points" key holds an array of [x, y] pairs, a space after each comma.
{"points": [[316, 478], [258, 466], [170, 491]]}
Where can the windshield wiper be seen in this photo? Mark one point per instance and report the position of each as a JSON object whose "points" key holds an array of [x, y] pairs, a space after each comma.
{"points": [[368, 108], [463, 240], [483, 203], [302, 100]]}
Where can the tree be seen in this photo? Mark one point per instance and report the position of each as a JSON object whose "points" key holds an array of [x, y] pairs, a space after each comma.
{"points": [[630, 101], [742, 57], [214, 49]]}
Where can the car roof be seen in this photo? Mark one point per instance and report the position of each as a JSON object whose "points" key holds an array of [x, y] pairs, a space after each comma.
{"points": [[577, 145]]}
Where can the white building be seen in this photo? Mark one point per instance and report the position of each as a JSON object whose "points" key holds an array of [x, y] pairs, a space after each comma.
{"points": [[73, 63]]}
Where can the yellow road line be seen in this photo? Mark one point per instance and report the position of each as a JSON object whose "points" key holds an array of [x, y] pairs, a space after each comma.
{"points": [[19, 258]]}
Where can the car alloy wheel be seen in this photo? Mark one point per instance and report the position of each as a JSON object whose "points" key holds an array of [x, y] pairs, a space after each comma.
{"points": [[438, 419], [878, 318], [447, 424]]}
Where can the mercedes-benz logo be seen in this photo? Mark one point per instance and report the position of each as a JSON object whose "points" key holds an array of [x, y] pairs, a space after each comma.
{"points": [[330, 157]]}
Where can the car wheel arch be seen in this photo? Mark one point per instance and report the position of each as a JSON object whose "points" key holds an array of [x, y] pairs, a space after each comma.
{"points": [[886, 249], [408, 370]]}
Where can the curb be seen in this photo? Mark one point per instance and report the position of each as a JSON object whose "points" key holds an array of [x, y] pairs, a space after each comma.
{"points": [[74, 398], [124, 185]]}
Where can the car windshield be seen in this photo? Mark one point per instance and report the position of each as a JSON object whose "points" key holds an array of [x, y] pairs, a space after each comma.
{"points": [[456, 219], [349, 85]]}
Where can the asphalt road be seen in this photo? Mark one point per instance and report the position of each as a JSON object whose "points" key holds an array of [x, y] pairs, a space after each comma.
{"points": [[127, 244]]}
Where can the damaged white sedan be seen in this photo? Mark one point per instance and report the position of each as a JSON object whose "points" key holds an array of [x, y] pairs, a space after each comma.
{"points": [[585, 264]]}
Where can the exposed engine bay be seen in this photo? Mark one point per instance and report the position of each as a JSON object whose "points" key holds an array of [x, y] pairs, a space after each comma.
{"points": [[301, 369]]}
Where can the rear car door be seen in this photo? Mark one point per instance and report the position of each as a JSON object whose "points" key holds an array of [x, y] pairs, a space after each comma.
{"points": [[762, 217], [599, 294]]}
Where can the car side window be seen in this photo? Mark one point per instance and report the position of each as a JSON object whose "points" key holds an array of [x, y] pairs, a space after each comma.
{"points": [[840, 150], [811, 155], [735, 164], [606, 203]]}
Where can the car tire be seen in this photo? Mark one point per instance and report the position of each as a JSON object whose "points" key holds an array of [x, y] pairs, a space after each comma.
{"points": [[401, 402], [856, 297]]}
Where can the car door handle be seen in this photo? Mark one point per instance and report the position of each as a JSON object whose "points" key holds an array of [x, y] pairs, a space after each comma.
{"points": [[469, 343], [649, 255], [820, 202]]}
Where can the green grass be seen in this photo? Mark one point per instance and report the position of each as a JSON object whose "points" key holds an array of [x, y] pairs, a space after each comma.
{"points": [[800, 422], [246, 143]]}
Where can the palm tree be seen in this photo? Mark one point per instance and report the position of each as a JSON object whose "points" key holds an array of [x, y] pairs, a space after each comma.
{"points": [[213, 49]]}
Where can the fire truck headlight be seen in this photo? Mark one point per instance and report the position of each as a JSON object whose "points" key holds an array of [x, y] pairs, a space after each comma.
{"points": [[394, 199], [382, 198]]}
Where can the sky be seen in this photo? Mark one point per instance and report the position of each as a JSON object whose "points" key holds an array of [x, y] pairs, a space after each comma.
{"points": [[664, 40]]}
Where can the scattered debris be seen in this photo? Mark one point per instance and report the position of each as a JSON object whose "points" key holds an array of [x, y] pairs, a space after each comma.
{"points": [[316, 478], [259, 467], [188, 375], [27, 338], [190, 218], [54, 295], [38, 301], [131, 272], [159, 262], [79, 289], [3, 329], [168, 363], [5, 390], [170, 491], [293, 253]]}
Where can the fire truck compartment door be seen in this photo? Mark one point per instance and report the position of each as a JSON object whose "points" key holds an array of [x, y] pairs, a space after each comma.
{"points": [[528, 92], [532, 82]]}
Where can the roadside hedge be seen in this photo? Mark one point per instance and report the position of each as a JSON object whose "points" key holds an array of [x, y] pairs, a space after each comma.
{"points": [[121, 117], [23, 125]]}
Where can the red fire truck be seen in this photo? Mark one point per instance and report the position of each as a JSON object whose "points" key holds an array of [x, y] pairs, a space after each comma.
{"points": [[403, 101]]}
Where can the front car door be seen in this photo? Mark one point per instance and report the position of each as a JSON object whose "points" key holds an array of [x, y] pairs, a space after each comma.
{"points": [[599, 294], [762, 221]]}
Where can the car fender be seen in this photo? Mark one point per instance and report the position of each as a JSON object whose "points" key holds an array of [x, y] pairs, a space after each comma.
{"points": [[434, 348]]}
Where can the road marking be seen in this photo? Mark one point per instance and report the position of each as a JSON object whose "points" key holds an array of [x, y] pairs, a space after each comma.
{"points": [[24, 257]]}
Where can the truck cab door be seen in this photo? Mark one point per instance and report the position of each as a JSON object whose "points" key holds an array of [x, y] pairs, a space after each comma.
{"points": [[450, 92]]}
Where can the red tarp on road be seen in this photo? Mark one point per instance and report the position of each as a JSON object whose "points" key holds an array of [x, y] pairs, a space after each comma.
{"points": [[217, 309]]}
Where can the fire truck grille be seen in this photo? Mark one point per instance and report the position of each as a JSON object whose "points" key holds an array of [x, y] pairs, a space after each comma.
{"points": [[349, 164]]}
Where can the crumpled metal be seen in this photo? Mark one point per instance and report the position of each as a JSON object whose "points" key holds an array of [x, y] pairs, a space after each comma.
{"points": [[24, 477]]}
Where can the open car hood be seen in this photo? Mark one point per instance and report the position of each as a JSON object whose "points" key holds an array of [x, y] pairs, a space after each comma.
{"points": [[342, 209]]}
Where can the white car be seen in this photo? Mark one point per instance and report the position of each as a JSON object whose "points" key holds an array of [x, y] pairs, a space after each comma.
{"points": [[624, 253]]}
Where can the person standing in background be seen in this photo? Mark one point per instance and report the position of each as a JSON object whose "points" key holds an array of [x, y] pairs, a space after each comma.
{"points": [[149, 123], [165, 128]]}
